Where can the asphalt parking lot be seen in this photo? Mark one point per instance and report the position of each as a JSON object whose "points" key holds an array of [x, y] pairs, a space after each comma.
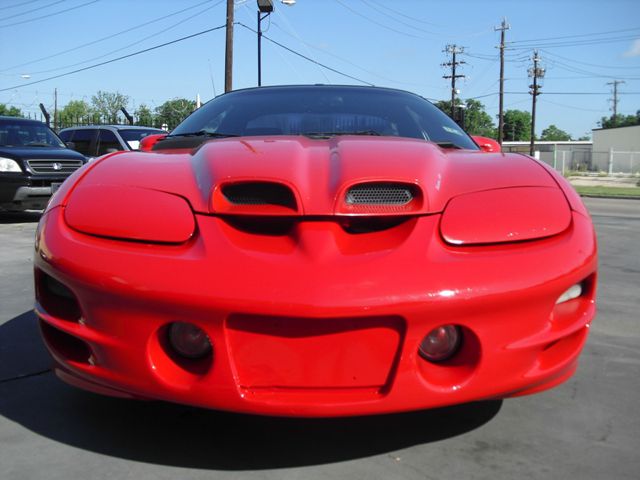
{"points": [[587, 428]]}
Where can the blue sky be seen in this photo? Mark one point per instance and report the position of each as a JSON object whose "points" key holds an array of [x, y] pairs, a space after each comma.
{"points": [[389, 43]]}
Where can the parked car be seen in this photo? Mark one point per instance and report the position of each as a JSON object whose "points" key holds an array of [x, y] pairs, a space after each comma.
{"points": [[33, 163], [93, 141], [316, 251]]}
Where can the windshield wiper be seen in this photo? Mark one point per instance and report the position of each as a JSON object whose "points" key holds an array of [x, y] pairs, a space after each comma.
{"points": [[333, 134], [204, 133], [448, 145], [39, 144]]}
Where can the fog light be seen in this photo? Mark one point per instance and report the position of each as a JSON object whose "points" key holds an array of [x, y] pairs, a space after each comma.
{"points": [[441, 343], [188, 340], [572, 292]]}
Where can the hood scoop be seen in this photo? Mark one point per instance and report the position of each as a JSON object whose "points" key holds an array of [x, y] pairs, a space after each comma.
{"points": [[379, 194], [255, 198]]}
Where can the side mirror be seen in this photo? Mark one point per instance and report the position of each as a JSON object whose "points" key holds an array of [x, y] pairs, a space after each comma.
{"points": [[147, 143], [70, 145], [487, 144]]}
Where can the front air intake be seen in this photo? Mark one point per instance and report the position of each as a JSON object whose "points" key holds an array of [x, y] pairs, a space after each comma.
{"points": [[381, 194], [259, 193]]}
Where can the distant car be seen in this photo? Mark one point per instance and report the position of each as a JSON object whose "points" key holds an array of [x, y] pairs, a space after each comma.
{"points": [[96, 140], [316, 251], [33, 163]]}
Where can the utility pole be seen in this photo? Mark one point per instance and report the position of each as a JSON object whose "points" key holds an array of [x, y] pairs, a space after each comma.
{"points": [[228, 54], [503, 27], [535, 72], [55, 108], [453, 50], [614, 100]]}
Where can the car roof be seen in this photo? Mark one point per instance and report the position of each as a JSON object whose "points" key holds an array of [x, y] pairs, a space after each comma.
{"points": [[112, 127], [21, 120], [371, 88]]}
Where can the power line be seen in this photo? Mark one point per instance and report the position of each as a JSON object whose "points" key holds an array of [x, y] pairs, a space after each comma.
{"points": [[49, 15], [574, 43], [349, 62], [355, 12], [137, 42], [589, 64], [402, 22], [21, 4], [108, 37], [308, 58], [575, 36], [115, 59], [31, 11]]}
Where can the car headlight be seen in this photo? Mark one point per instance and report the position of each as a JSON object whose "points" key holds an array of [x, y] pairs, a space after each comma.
{"points": [[129, 213], [8, 165], [505, 215]]}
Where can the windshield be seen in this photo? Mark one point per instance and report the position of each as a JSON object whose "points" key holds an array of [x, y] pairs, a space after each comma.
{"points": [[322, 111], [133, 135], [26, 134]]}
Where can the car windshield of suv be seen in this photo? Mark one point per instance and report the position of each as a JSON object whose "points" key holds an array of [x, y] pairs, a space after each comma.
{"points": [[133, 135], [25, 134], [320, 112]]}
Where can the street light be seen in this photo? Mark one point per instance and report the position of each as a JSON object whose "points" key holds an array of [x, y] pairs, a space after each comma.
{"points": [[265, 7]]}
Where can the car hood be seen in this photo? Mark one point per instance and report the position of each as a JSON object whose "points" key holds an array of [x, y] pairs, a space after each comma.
{"points": [[319, 172], [28, 153]]}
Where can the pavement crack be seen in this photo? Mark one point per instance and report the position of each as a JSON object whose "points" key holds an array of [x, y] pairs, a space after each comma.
{"points": [[26, 375]]}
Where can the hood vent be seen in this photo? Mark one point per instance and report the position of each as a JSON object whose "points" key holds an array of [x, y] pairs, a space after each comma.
{"points": [[382, 194], [259, 193]]}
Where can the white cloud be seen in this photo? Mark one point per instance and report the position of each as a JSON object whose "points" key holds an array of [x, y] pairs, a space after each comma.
{"points": [[634, 51]]}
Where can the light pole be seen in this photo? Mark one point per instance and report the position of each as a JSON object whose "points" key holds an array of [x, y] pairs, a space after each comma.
{"points": [[265, 7]]}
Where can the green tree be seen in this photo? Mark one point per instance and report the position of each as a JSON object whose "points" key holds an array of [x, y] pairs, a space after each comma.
{"points": [[517, 126], [108, 104], [74, 112], [172, 112], [620, 120], [10, 111], [144, 116], [477, 121], [554, 133]]}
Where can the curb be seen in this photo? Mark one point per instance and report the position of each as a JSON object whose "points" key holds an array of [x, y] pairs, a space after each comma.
{"points": [[614, 197]]}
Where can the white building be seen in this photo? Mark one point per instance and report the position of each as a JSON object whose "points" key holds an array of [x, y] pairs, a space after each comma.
{"points": [[617, 149]]}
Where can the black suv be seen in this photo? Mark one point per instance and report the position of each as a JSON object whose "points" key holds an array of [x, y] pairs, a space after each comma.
{"points": [[33, 163]]}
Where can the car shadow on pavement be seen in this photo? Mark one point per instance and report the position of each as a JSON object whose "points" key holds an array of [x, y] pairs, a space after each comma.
{"points": [[167, 434], [29, 216]]}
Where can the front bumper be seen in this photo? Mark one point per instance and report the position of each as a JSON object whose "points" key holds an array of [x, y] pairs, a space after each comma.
{"points": [[27, 193], [318, 322]]}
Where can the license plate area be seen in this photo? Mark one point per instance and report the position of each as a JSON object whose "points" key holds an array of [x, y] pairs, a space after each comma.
{"points": [[313, 353]]}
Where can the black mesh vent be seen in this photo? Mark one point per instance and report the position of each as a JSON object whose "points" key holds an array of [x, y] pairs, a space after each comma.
{"points": [[379, 194], [260, 193]]}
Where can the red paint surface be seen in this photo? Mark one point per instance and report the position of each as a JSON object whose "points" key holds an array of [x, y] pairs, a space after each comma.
{"points": [[311, 319]]}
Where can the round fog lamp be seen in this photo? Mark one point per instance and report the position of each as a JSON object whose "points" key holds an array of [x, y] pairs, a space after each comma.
{"points": [[441, 343], [188, 340]]}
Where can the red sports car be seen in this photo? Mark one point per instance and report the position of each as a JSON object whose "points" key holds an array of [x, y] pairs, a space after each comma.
{"points": [[315, 251]]}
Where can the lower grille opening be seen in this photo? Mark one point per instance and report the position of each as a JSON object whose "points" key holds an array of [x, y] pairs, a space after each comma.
{"points": [[55, 298], [358, 225], [271, 226], [64, 345]]}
